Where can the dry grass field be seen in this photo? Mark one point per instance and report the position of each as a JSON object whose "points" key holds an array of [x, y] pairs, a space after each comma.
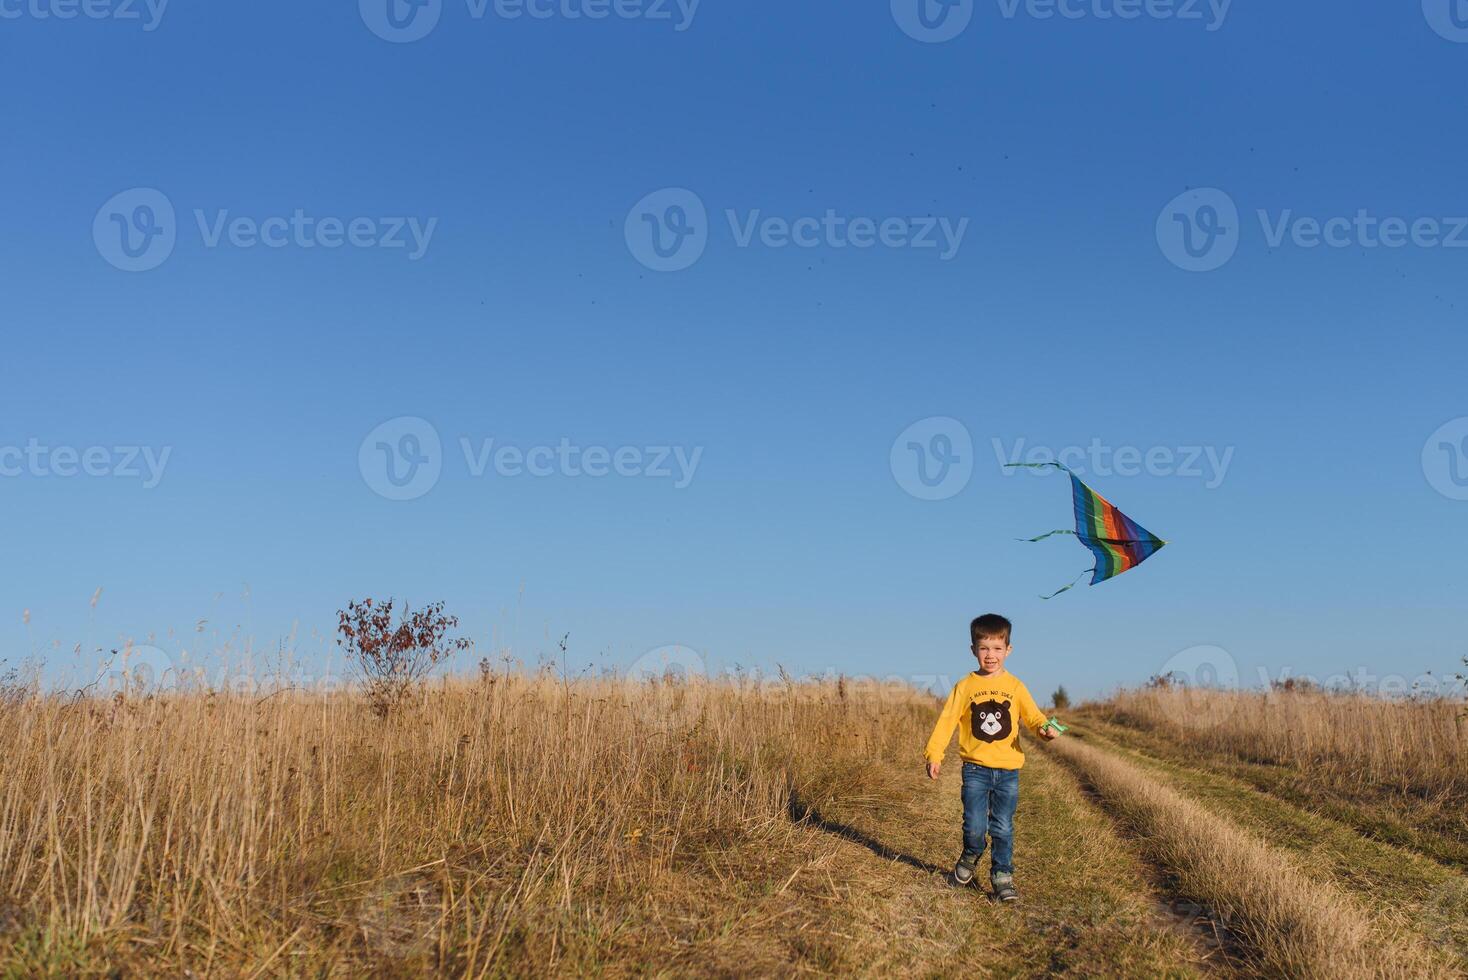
{"points": [[520, 825], [1412, 747], [1396, 769]]}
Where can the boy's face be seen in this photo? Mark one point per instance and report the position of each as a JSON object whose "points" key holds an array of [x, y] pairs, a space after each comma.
{"points": [[991, 651]]}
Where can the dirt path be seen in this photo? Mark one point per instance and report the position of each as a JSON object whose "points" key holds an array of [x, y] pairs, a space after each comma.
{"points": [[857, 885], [1436, 829], [1406, 892], [862, 890]]}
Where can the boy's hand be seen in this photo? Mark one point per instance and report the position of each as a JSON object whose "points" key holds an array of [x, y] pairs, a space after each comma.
{"points": [[933, 769], [1049, 734]]}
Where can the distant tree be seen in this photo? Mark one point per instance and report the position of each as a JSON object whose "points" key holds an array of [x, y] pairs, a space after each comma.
{"points": [[1464, 679], [1060, 700], [394, 657], [1301, 685]]}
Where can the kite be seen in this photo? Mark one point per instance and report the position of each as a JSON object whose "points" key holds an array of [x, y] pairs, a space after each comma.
{"points": [[1118, 542]]}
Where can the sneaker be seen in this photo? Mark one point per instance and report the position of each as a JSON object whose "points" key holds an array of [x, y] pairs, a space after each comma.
{"points": [[1004, 887], [963, 871]]}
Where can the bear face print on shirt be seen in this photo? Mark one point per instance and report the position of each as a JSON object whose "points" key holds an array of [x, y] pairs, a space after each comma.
{"points": [[990, 720]]}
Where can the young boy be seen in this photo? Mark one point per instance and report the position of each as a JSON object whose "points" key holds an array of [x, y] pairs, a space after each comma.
{"points": [[986, 703]]}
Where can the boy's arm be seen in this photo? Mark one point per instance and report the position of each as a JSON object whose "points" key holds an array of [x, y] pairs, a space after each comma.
{"points": [[943, 731], [1029, 711]]}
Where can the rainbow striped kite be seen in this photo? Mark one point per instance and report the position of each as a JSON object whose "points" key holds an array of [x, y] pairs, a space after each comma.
{"points": [[1118, 542]]}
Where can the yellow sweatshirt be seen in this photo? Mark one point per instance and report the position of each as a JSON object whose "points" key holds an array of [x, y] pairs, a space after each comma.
{"points": [[985, 709]]}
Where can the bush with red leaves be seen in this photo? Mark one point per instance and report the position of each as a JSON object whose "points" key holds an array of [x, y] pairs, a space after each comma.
{"points": [[393, 658]]}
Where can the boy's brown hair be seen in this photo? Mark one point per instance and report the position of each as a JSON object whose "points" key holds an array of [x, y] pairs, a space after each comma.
{"points": [[990, 624]]}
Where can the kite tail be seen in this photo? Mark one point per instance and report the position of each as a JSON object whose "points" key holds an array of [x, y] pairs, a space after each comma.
{"points": [[1051, 534], [1072, 584], [1040, 466], [1047, 534]]}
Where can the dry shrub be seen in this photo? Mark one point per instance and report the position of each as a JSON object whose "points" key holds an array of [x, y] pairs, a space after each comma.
{"points": [[395, 657]]}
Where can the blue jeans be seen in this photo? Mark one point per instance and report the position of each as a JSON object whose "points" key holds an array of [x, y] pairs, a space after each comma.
{"points": [[989, 799]]}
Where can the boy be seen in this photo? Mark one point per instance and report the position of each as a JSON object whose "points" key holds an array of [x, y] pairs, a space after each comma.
{"points": [[986, 702]]}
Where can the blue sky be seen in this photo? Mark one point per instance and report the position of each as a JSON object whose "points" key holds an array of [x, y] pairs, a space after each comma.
{"points": [[1062, 152]]}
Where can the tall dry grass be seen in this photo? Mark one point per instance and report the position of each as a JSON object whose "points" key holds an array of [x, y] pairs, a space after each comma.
{"points": [[518, 823], [1293, 925], [1412, 746]]}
